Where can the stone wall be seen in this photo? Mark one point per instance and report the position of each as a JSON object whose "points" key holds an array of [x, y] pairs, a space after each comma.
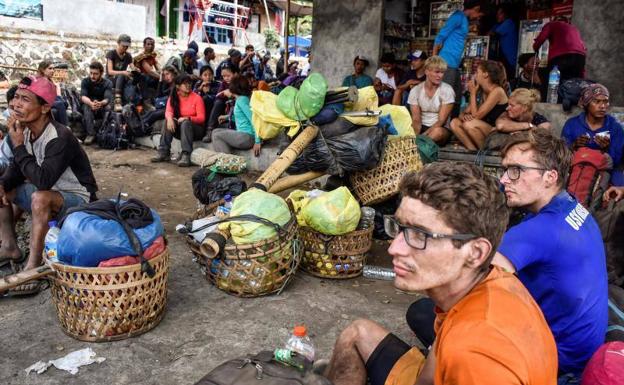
{"points": [[343, 30], [600, 23], [26, 48]]}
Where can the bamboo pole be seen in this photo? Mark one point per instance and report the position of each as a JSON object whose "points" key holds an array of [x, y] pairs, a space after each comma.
{"points": [[277, 168], [294, 180], [14, 280]]}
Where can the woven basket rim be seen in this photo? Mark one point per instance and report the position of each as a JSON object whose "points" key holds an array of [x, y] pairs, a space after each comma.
{"points": [[349, 234], [57, 266], [230, 245]]}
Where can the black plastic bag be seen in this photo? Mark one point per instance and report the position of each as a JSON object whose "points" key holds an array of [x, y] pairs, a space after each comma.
{"points": [[387, 207], [210, 187], [359, 150]]}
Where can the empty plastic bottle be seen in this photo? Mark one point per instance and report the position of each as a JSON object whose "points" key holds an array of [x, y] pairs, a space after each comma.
{"points": [[553, 85], [378, 272], [51, 240], [299, 342]]}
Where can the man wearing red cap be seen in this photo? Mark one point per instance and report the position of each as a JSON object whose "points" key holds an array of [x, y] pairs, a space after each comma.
{"points": [[50, 173]]}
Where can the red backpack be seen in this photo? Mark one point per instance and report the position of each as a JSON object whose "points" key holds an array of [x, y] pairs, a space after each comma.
{"points": [[589, 176], [606, 366]]}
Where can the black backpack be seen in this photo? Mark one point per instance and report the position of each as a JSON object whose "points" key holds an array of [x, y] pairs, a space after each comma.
{"points": [[570, 91], [134, 123], [260, 369], [113, 135]]}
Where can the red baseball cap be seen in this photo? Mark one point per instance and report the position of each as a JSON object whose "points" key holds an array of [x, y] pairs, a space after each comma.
{"points": [[40, 86]]}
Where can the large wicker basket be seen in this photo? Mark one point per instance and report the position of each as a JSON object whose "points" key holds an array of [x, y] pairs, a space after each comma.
{"points": [[110, 303], [254, 269], [337, 257], [376, 185]]}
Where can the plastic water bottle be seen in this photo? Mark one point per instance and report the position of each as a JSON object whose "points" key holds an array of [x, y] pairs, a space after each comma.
{"points": [[300, 343], [51, 239], [223, 211], [553, 85], [228, 201], [293, 359], [378, 272]]}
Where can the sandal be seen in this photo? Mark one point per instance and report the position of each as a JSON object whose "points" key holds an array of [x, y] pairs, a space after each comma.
{"points": [[12, 261], [29, 288]]}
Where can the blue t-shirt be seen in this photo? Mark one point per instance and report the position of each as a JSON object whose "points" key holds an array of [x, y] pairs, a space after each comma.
{"points": [[559, 256], [508, 35], [577, 126], [358, 81], [453, 37]]}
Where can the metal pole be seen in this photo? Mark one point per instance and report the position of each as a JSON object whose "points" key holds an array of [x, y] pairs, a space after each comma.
{"points": [[286, 36], [266, 9], [167, 18], [235, 31], [296, 33]]}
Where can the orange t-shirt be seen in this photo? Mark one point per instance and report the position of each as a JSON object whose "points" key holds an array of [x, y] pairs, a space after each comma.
{"points": [[495, 335]]}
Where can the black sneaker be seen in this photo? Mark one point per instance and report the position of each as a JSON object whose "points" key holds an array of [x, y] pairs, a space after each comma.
{"points": [[208, 137], [185, 160], [161, 157], [89, 140]]}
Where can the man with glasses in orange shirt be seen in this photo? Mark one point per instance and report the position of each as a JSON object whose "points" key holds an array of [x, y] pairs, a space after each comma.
{"points": [[488, 328]]}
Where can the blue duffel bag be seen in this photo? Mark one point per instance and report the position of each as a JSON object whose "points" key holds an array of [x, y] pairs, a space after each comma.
{"points": [[87, 239]]}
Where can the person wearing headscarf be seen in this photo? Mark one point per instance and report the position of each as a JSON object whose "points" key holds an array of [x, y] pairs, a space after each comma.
{"points": [[594, 127]]}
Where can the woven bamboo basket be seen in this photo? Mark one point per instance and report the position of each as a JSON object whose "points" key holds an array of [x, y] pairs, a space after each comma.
{"points": [[336, 257], [254, 269], [111, 303], [376, 185]]}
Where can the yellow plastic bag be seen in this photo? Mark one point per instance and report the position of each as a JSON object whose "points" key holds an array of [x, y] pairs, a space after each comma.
{"points": [[298, 199], [267, 119], [367, 99], [401, 118], [333, 213], [261, 204]]}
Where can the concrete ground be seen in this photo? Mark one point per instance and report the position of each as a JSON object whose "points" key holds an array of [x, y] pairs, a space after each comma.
{"points": [[202, 326]]}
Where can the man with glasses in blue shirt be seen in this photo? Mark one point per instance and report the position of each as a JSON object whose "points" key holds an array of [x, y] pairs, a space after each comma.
{"points": [[557, 249], [446, 230]]}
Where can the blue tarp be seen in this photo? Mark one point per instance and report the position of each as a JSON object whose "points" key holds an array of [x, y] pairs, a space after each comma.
{"points": [[303, 45]]}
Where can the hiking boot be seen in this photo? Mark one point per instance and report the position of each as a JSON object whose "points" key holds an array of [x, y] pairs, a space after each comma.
{"points": [[161, 157], [118, 107], [185, 160], [208, 137], [89, 140]]}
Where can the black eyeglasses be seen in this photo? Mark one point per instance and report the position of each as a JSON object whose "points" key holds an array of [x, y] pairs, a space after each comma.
{"points": [[514, 170], [417, 237]]}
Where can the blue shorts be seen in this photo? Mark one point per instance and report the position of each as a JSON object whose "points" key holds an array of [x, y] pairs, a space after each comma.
{"points": [[23, 199]]}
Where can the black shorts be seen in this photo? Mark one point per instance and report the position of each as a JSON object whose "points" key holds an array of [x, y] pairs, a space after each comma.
{"points": [[383, 358]]}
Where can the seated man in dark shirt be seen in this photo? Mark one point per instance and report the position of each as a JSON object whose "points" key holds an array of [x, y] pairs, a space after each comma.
{"points": [[49, 174], [411, 78], [147, 64], [529, 76], [117, 62], [96, 94]]}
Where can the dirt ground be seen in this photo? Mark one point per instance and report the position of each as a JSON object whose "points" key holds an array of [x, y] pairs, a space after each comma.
{"points": [[203, 326]]}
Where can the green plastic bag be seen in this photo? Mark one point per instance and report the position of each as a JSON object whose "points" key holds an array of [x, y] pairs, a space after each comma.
{"points": [[261, 204], [333, 213], [427, 149], [307, 101], [312, 94], [286, 103]]}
